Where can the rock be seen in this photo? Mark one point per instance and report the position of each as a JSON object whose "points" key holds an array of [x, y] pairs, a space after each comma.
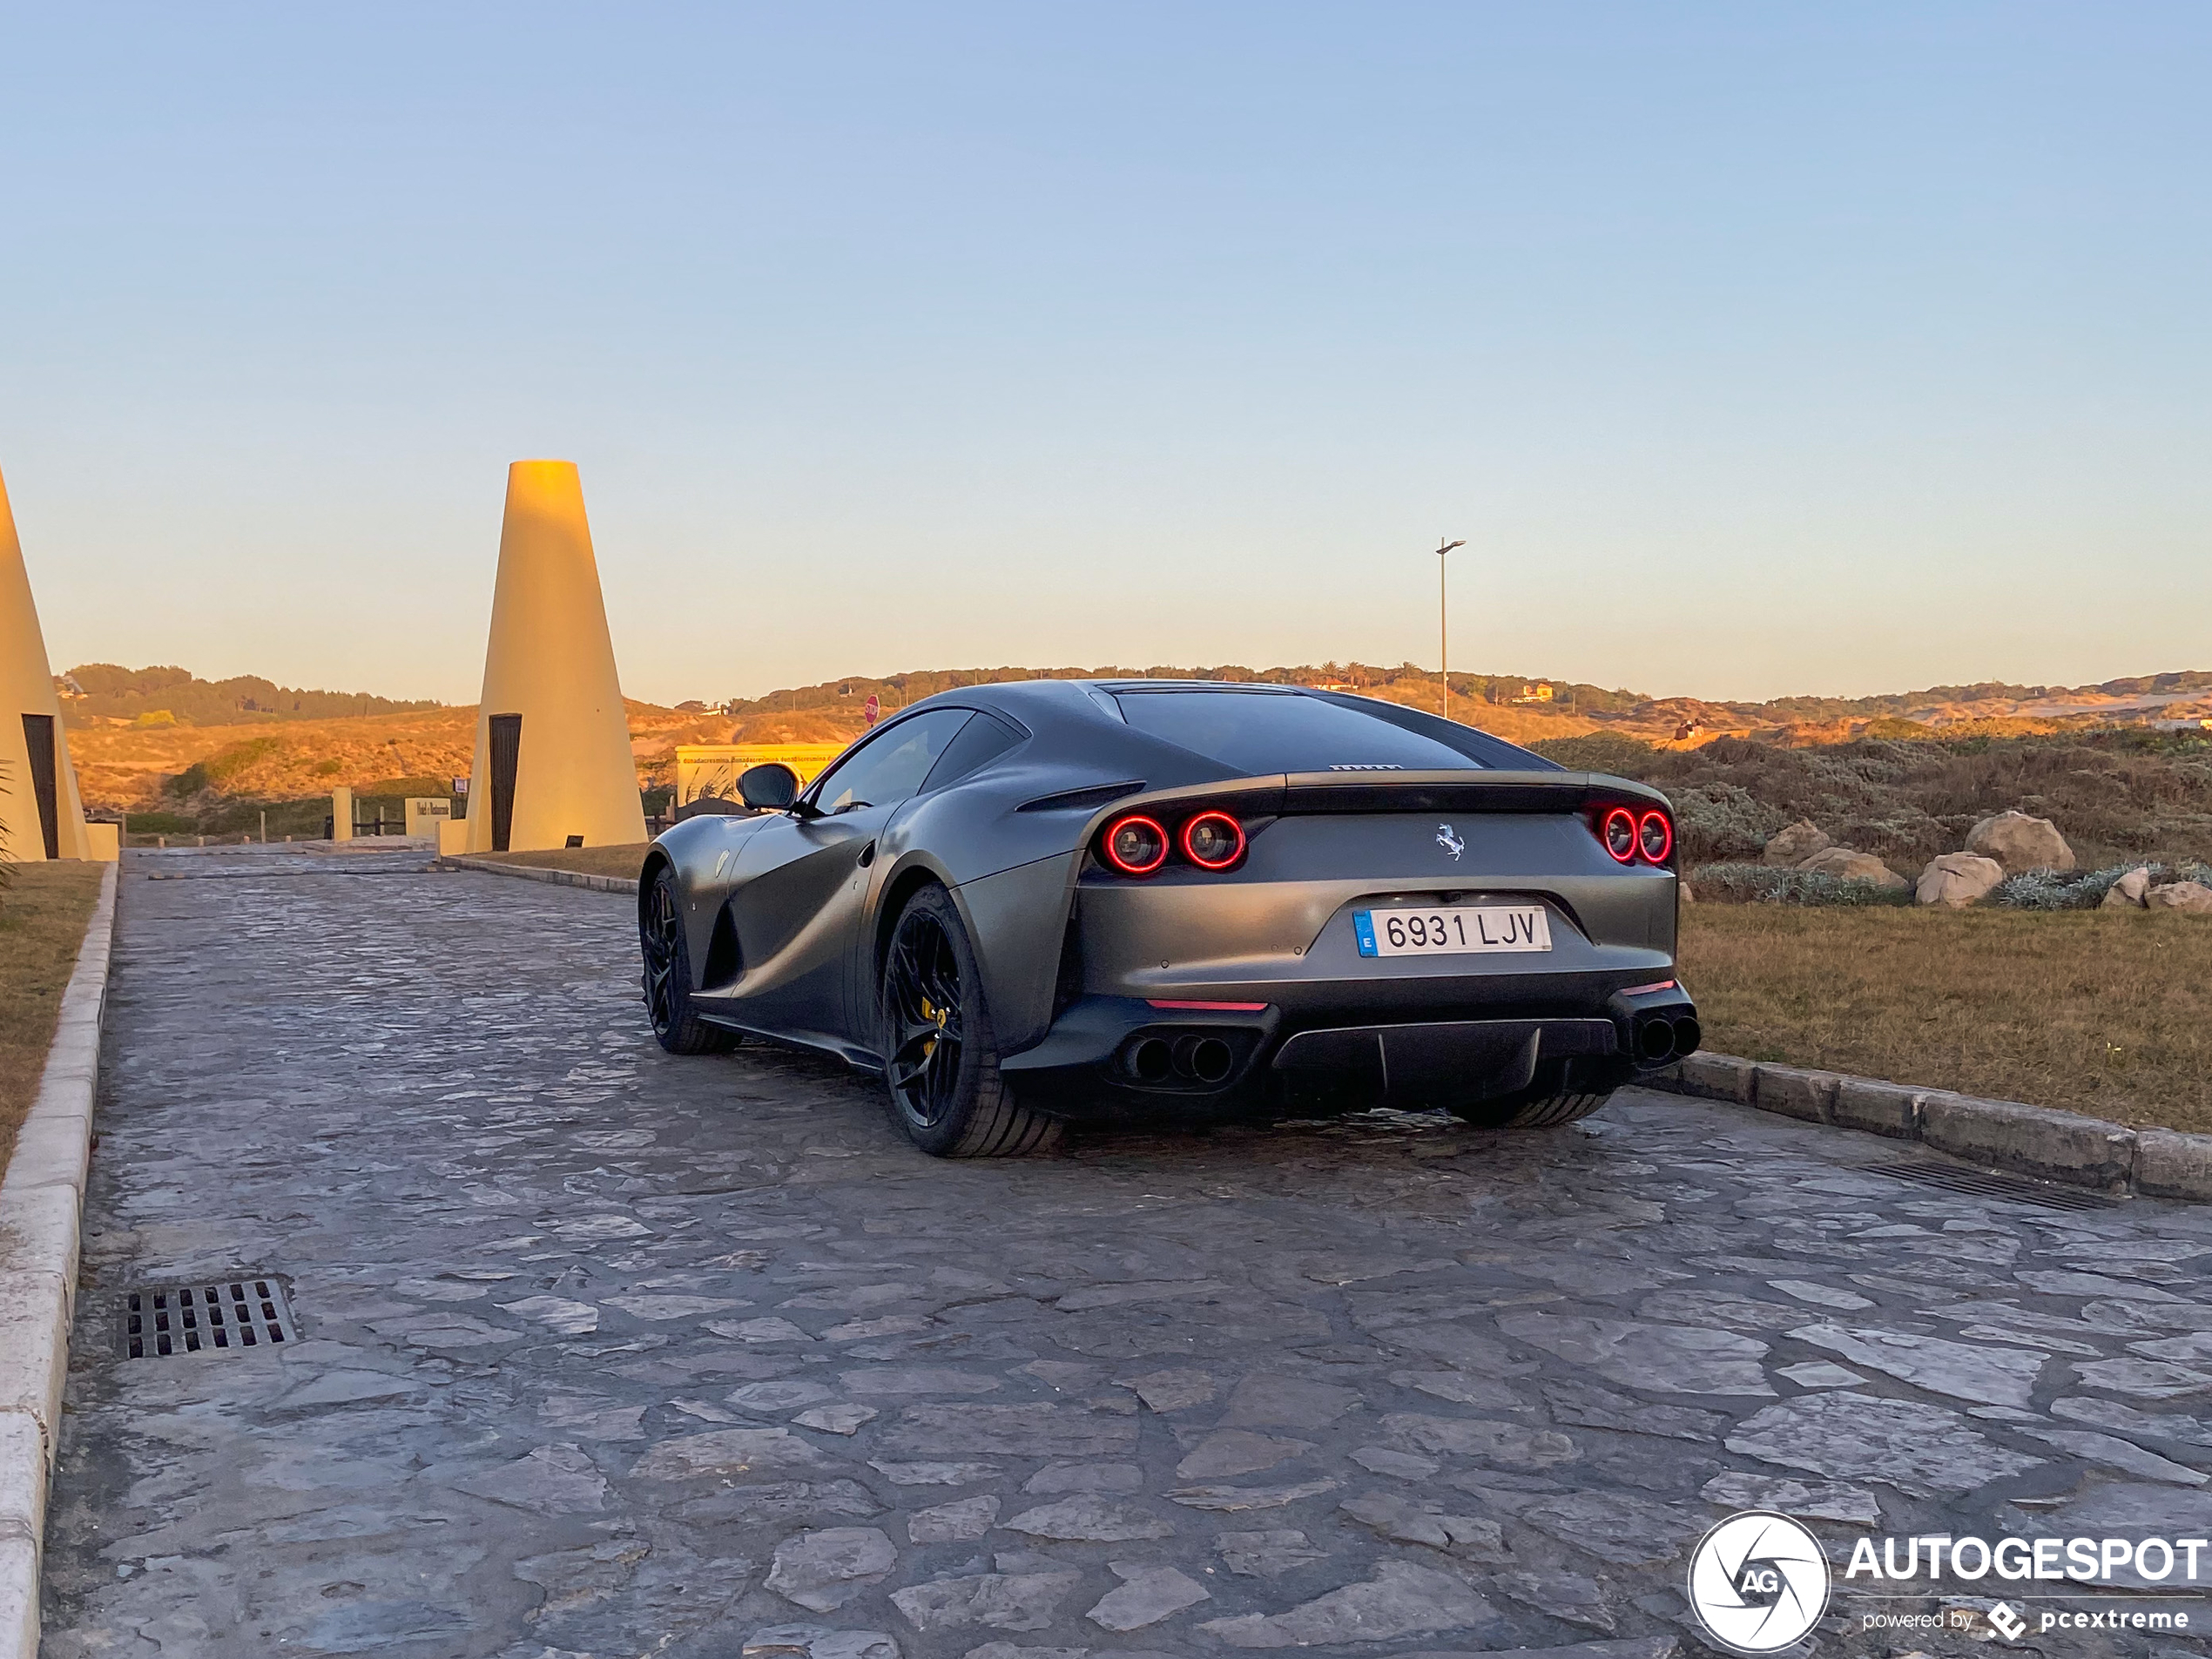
{"points": [[1591, 1407], [1147, 1595], [558, 1480], [1792, 846], [1236, 1451], [1089, 1519], [1564, 1595], [818, 1641], [1825, 1295], [2116, 1453], [1737, 1490], [1380, 1460], [2145, 1379], [1818, 1373], [1233, 1498], [2191, 898], [2020, 842], [935, 1474], [1266, 1401], [732, 1452], [1667, 1358], [1957, 879], [1723, 1308], [1172, 1391], [1000, 1601], [822, 1571], [1630, 1532], [1921, 1450], [2128, 892], [1009, 1431], [1848, 865], [1988, 1375], [953, 1523], [1401, 1599], [1266, 1554], [784, 1503], [836, 1420], [1086, 1477], [1406, 1522], [916, 1379], [1509, 1445]]}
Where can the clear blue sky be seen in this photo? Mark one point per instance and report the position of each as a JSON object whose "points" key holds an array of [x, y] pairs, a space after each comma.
{"points": [[1754, 349]]}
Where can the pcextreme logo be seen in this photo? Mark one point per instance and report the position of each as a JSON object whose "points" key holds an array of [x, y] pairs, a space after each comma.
{"points": [[1758, 1582]]}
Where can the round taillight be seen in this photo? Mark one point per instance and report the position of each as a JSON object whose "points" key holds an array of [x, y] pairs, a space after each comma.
{"points": [[1135, 845], [1213, 841], [1654, 837], [1618, 831]]}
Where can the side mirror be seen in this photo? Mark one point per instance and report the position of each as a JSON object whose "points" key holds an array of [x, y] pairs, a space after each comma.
{"points": [[771, 787]]}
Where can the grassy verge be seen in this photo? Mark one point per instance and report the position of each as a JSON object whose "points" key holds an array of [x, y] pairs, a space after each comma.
{"points": [[2096, 1011], [623, 861], [42, 928]]}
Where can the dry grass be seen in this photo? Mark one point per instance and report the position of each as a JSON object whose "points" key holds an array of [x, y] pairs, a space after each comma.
{"points": [[2094, 1011], [625, 861], [42, 928]]}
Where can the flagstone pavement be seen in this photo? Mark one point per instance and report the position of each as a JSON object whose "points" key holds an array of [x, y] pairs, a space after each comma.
{"points": [[607, 1353]]}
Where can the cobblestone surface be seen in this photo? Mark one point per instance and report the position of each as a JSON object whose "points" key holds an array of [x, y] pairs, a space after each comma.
{"points": [[610, 1354]]}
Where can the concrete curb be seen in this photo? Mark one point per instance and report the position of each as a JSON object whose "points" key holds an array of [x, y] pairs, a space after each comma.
{"points": [[42, 1205], [1997, 1134], [537, 872]]}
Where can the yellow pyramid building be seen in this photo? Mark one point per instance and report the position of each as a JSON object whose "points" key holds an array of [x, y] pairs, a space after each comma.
{"points": [[40, 816], [552, 764]]}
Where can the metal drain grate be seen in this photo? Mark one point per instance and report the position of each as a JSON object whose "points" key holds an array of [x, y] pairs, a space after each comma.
{"points": [[1981, 1184], [228, 1316]]}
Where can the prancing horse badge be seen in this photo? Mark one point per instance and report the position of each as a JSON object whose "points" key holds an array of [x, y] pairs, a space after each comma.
{"points": [[1450, 841]]}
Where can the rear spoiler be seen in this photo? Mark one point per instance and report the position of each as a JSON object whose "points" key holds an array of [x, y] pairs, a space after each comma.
{"points": [[1307, 793]]}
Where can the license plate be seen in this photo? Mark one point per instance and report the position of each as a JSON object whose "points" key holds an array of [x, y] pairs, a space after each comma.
{"points": [[1453, 930]]}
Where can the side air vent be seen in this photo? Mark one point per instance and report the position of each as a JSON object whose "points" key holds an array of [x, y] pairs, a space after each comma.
{"points": [[1087, 800]]}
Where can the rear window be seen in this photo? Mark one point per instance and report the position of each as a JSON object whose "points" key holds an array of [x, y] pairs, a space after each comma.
{"points": [[1256, 732]]}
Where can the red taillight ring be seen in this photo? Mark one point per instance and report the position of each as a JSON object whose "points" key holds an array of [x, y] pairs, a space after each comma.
{"points": [[1605, 834], [1666, 829], [1191, 851], [1159, 833]]}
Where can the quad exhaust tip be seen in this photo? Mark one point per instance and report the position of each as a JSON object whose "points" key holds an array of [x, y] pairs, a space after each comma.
{"points": [[1192, 1057], [1659, 1038]]}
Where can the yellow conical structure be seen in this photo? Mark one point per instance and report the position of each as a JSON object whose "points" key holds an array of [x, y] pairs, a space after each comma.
{"points": [[40, 816], [552, 757]]}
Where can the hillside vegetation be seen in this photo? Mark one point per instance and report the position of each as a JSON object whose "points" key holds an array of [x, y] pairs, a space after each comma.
{"points": [[2116, 794], [150, 694]]}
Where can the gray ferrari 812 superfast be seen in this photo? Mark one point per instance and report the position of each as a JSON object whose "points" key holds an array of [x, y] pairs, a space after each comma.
{"points": [[1023, 903]]}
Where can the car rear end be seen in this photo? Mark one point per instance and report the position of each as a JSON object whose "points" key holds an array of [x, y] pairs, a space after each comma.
{"points": [[1439, 937]]}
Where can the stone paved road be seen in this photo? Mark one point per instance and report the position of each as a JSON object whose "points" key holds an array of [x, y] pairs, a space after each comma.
{"points": [[608, 1353]]}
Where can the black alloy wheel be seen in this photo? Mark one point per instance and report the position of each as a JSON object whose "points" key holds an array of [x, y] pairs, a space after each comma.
{"points": [[941, 1062], [667, 956]]}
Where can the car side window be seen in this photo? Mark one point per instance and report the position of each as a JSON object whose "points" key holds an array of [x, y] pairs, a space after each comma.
{"points": [[982, 740], [890, 766]]}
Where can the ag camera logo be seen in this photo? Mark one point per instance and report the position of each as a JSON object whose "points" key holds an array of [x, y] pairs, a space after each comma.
{"points": [[1758, 1582]]}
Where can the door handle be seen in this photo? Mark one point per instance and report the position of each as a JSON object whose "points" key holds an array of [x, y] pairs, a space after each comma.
{"points": [[867, 855]]}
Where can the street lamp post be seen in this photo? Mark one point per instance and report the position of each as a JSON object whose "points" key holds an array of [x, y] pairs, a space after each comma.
{"points": [[1443, 626]]}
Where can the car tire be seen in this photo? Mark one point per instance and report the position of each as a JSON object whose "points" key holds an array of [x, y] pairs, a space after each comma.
{"points": [[1547, 1113], [667, 978], [941, 1060]]}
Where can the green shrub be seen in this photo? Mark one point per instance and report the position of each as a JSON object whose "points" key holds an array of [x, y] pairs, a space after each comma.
{"points": [[2083, 889], [1763, 884]]}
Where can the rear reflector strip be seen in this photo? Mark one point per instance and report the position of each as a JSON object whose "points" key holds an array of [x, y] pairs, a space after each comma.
{"points": [[1646, 990], [1218, 1007]]}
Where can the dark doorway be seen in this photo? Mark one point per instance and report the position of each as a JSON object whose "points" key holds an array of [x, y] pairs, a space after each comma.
{"points": [[38, 737], [506, 754]]}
